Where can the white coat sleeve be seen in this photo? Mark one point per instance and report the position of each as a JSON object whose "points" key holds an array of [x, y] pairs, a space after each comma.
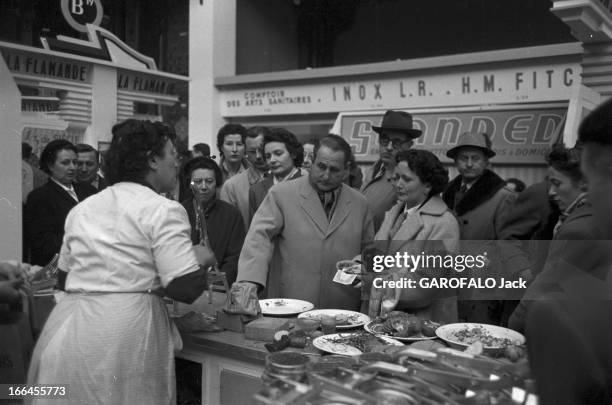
{"points": [[171, 243], [256, 254]]}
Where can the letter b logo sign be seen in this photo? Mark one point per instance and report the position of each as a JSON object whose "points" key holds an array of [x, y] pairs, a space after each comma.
{"points": [[78, 13]]}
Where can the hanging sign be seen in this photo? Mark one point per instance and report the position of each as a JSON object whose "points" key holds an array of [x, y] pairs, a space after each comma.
{"points": [[508, 84], [79, 13], [41, 65]]}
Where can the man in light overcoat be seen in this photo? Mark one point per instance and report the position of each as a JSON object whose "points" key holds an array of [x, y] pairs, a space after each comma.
{"points": [[303, 228]]}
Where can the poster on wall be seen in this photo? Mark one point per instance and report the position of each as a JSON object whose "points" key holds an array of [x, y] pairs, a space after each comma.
{"points": [[519, 136], [38, 138]]}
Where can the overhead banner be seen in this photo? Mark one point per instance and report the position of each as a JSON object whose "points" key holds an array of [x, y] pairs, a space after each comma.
{"points": [[48, 66], [526, 84], [518, 136]]}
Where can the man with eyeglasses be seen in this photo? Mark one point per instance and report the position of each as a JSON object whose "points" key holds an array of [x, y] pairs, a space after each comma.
{"points": [[481, 202], [395, 134]]}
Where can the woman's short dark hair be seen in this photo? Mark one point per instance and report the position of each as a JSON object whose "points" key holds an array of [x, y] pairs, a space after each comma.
{"points": [[134, 143], [49, 154], [294, 147], [566, 161], [201, 162], [311, 141], [337, 144], [230, 129], [202, 148], [427, 167], [519, 185]]}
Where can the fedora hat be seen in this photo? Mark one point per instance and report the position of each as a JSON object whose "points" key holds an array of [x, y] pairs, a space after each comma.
{"points": [[398, 121], [478, 140]]}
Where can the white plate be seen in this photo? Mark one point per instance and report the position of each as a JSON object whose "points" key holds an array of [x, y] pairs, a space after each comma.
{"points": [[371, 327], [355, 319], [448, 333], [323, 343], [284, 306]]}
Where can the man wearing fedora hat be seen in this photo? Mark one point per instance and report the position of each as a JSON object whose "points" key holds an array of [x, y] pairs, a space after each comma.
{"points": [[481, 202], [395, 133]]}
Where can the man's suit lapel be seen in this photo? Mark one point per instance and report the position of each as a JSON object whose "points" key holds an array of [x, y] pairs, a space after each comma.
{"points": [[311, 205], [341, 212]]}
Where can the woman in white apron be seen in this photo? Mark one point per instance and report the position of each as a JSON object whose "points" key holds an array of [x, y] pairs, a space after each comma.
{"points": [[110, 339]]}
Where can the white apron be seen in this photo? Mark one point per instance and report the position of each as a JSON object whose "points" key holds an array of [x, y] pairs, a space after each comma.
{"points": [[112, 348]]}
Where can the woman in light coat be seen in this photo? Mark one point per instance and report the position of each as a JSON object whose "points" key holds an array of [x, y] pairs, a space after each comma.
{"points": [[419, 224]]}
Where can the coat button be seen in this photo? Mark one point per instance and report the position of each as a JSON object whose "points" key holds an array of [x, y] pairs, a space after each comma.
{"points": [[465, 222]]}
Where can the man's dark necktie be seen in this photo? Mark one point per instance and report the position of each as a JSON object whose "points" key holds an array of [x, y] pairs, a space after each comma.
{"points": [[459, 195], [327, 199]]}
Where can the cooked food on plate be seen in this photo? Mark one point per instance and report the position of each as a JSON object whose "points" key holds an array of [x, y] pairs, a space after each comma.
{"points": [[403, 325], [341, 319], [469, 335], [364, 341]]}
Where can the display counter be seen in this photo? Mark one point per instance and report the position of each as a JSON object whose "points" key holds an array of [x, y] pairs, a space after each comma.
{"points": [[231, 365], [232, 368]]}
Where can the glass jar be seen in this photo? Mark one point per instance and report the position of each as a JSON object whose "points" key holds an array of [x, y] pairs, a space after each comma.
{"points": [[286, 365], [328, 324]]}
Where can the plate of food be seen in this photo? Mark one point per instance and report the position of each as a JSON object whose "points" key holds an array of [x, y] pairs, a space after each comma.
{"points": [[353, 344], [284, 306], [344, 319], [402, 326], [494, 339]]}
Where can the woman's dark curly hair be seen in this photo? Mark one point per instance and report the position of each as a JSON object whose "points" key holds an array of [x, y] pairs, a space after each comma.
{"points": [[201, 162], [49, 153], [230, 129], [134, 143], [566, 161], [294, 147], [427, 167]]}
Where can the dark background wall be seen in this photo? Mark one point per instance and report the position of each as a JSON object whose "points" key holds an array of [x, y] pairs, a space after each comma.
{"points": [[335, 33], [266, 37], [275, 35]]}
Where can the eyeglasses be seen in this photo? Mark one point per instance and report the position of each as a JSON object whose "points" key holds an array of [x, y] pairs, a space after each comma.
{"points": [[396, 143]]}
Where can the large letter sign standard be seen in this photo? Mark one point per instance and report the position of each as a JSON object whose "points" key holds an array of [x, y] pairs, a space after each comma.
{"points": [[78, 13]]}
